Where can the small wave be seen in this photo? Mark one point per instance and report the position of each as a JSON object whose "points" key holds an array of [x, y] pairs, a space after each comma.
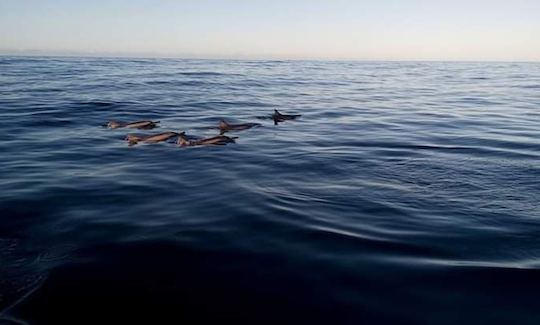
{"points": [[49, 123], [56, 254], [180, 83], [205, 74], [103, 105], [8, 320], [481, 151], [369, 242], [98, 104], [239, 104]]}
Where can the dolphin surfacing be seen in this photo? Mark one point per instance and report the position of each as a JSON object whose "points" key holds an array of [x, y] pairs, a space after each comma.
{"points": [[219, 140], [155, 138], [278, 117], [142, 125], [226, 127]]}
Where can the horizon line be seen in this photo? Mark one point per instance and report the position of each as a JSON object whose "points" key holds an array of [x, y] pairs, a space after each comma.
{"points": [[68, 54]]}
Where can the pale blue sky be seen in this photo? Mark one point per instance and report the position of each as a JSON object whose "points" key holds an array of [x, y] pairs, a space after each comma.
{"points": [[298, 29]]}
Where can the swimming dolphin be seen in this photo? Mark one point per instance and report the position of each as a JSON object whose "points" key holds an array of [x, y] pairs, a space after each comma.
{"points": [[226, 127], [221, 140], [134, 139], [278, 117], [143, 125]]}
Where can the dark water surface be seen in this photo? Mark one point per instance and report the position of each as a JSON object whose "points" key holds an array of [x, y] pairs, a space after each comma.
{"points": [[406, 193]]}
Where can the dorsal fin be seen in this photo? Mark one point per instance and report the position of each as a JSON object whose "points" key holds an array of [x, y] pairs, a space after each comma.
{"points": [[182, 140], [223, 124], [132, 139], [114, 124]]}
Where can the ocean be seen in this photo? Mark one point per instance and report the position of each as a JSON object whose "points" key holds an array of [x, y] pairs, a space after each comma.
{"points": [[406, 193]]}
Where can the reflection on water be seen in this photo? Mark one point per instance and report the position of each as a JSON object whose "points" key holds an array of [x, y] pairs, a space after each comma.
{"points": [[405, 192]]}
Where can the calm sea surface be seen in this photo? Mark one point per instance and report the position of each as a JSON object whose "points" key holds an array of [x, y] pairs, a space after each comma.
{"points": [[407, 193]]}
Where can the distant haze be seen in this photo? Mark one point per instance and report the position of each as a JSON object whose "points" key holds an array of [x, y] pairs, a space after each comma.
{"points": [[475, 30]]}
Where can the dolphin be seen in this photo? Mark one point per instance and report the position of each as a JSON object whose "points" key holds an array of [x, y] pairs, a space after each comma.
{"points": [[221, 140], [226, 127], [155, 138], [278, 117], [143, 125]]}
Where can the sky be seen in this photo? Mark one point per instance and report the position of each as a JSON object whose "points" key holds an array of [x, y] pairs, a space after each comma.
{"points": [[471, 30]]}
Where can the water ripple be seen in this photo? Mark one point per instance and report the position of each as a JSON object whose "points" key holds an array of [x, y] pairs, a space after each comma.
{"points": [[411, 185]]}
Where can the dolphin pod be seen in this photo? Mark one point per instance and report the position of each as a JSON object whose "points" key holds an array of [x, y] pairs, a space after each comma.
{"points": [[183, 140]]}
